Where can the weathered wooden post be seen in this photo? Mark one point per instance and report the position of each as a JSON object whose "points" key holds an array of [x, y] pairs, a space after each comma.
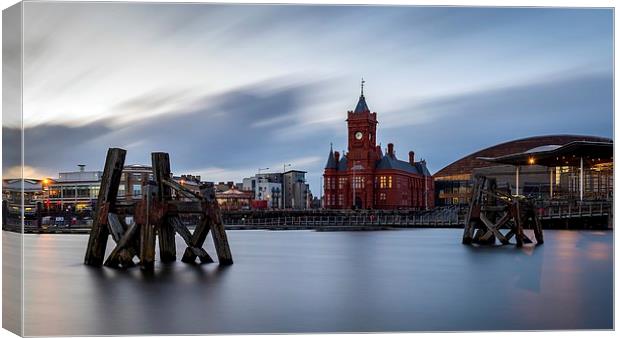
{"points": [[220, 240], [108, 190], [147, 222], [161, 172], [473, 211]]}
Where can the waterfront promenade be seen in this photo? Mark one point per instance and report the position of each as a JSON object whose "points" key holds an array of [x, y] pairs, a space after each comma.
{"points": [[307, 281], [588, 215]]}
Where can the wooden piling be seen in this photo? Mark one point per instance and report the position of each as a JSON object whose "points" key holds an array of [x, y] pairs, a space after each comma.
{"points": [[147, 229], [156, 214], [220, 240], [161, 172], [108, 191]]}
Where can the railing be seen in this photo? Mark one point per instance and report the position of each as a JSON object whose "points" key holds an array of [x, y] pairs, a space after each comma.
{"points": [[562, 210], [439, 217], [550, 213]]}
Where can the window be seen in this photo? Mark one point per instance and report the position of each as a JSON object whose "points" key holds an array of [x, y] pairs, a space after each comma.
{"points": [[68, 192], [385, 182], [83, 192], [358, 182], [137, 190], [342, 182], [340, 199], [94, 191], [382, 196]]}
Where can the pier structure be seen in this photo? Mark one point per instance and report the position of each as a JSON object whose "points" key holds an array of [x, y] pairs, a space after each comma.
{"points": [[491, 211], [155, 215]]}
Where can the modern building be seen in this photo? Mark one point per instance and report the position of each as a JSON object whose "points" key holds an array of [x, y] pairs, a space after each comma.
{"points": [[78, 191], [366, 178], [296, 194], [453, 183], [73, 191], [269, 187], [578, 170]]}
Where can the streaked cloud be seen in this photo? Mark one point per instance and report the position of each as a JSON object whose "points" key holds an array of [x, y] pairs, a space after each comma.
{"points": [[230, 88]]}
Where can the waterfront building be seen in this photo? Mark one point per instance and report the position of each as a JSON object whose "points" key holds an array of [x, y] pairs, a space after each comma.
{"points": [[73, 191], [224, 186], [12, 196], [132, 179], [453, 183], [78, 191], [288, 189], [233, 199], [296, 194], [364, 177]]}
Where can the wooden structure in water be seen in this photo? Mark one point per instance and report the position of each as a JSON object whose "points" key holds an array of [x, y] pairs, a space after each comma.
{"points": [[494, 214], [155, 215]]}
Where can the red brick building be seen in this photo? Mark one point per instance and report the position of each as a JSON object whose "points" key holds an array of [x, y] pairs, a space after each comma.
{"points": [[365, 178]]}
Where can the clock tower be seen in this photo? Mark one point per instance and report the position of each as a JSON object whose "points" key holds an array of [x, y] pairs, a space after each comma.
{"points": [[362, 125], [366, 178]]}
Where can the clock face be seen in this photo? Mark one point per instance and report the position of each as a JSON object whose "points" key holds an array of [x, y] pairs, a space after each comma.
{"points": [[358, 135]]}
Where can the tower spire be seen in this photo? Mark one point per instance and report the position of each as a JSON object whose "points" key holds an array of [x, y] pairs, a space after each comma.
{"points": [[362, 94], [361, 103]]}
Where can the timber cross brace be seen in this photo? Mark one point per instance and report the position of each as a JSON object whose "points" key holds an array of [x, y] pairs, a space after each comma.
{"points": [[156, 214], [491, 210]]}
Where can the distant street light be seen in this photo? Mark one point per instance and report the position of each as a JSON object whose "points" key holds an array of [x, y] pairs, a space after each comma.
{"points": [[259, 170]]}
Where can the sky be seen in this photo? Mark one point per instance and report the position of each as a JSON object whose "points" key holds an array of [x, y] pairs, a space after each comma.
{"points": [[228, 89]]}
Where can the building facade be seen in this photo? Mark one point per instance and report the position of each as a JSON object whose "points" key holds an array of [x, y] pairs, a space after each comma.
{"points": [[296, 194], [280, 190], [365, 178], [454, 182], [13, 197]]}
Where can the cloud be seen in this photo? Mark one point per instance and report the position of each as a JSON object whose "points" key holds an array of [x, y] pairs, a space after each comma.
{"points": [[197, 80], [214, 132], [453, 126]]}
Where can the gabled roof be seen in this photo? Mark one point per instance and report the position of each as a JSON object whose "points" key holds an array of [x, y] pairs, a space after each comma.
{"points": [[361, 105], [391, 162], [421, 166], [342, 165]]}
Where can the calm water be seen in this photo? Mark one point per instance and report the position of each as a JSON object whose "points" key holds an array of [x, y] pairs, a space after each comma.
{"points": [[305, 281]]}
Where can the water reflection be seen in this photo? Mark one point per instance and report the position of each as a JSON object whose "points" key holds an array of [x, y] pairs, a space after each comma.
{"points": [[304, 281]]}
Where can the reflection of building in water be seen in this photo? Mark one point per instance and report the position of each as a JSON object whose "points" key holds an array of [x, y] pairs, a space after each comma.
{"points": [[559, 176]]}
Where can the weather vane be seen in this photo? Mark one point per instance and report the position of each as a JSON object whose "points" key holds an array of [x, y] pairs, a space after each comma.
{"points": [[363, 86]]}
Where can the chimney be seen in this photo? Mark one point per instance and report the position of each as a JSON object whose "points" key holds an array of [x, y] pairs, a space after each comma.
{"points": [[81, 167], [391, 149], [337, 156], [411, 158]]}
